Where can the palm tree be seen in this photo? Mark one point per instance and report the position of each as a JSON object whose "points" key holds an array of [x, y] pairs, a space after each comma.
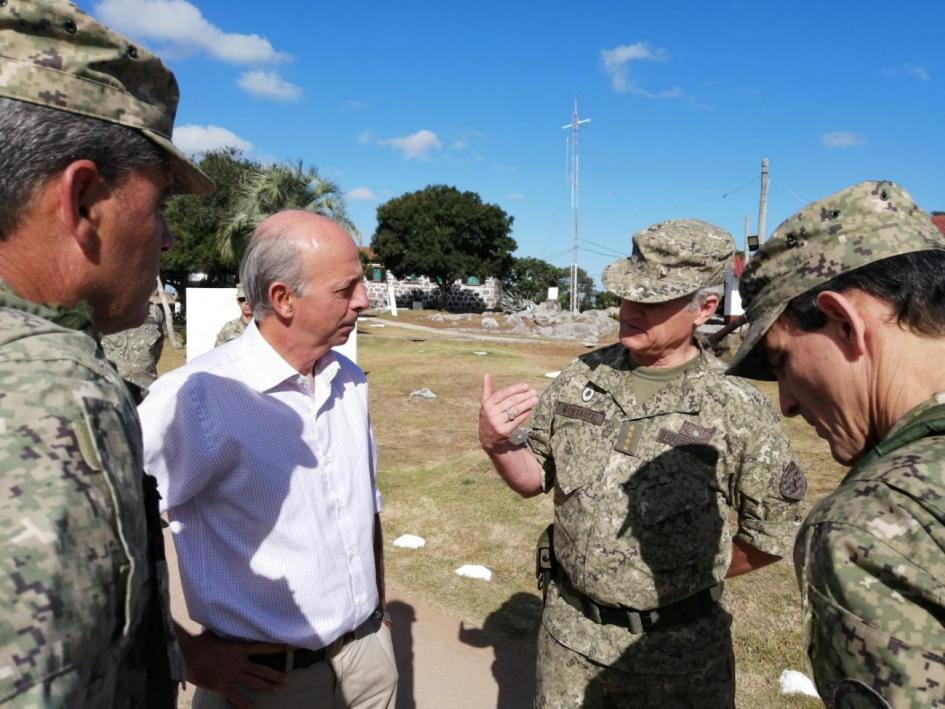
{"points": [[267, 190]]}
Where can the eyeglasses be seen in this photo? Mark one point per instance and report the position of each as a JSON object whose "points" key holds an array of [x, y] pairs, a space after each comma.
{"points": [[241, 300]]}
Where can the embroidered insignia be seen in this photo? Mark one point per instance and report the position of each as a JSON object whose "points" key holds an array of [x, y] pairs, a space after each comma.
{"points": [[579, 412], [793, 483], [629, 437], [587, 394], [688, 434]]}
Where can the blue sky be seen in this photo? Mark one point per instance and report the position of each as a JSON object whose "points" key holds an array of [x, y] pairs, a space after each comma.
{"points": [[685, 99]]}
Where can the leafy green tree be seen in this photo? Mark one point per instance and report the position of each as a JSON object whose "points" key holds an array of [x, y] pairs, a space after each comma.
{"points": [[606, 299], [270, 189], [445, 234], [194, 221], [532, 277], [586, 289]]}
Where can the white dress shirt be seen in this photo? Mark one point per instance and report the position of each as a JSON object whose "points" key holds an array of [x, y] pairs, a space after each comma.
{"points": [[271, 490]]}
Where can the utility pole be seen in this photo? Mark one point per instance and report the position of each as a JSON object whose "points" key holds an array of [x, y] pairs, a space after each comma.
{"points": [[575, 127], [747, 252], [763, 201]]}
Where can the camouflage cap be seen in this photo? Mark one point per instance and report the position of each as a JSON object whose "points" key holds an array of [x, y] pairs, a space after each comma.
{"points": [[54, 55], [867, 222], [669, 260]]}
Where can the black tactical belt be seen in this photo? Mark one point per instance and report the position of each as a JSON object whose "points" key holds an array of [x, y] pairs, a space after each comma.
{"points": [[301, 657], [678, 613]]}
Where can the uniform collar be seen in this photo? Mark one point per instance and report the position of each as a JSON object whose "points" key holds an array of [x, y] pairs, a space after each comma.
{"points": [[609, 372], [77, 317]]}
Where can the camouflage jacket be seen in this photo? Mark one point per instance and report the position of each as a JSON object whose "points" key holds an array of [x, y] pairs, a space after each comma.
{"points": [[230, 331], [870, 560], [135, 352], [644, 493], [85, 622]]}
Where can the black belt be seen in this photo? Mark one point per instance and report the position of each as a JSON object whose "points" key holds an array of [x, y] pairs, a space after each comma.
{"points": [[637, 621], [301, 657]]}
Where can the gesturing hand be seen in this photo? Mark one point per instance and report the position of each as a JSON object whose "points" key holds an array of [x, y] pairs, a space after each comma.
{"points": [[501, 412]]}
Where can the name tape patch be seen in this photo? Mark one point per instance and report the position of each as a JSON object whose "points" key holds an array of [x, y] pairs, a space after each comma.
{"points": [[579, 412]]}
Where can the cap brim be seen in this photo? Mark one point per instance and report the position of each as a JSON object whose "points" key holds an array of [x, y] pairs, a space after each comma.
{"points": [[629, 280], [750, 361], [188, 178]]}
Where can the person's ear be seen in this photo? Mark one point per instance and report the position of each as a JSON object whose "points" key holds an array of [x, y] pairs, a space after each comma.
{"points": [[81, 192], [282, 300], [846, 322], [707, 309]]}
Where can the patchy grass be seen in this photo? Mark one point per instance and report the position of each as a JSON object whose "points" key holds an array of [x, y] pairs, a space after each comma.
{"points": [[438, 484]]}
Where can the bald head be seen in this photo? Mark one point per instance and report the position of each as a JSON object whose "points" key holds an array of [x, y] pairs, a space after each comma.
{"points": [[279, 250]]}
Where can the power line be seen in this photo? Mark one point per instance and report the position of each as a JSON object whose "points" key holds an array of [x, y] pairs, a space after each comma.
{"points": [[602, 246], [601, 253], [790, 191]]}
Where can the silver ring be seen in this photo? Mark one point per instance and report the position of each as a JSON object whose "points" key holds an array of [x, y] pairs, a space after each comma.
{"points": [[510, 414]]}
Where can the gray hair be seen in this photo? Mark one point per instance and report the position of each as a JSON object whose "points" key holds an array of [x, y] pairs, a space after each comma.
{"points": [[701, 295], [37, 143], [271, 255]]}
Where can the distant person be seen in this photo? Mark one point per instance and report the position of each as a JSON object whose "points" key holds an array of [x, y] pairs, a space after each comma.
{"points": [[280, 540], [236, 327], [668, 477], [135, 352], [846, 305], [86, 163]]}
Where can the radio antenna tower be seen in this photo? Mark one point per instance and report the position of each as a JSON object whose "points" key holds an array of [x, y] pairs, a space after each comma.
{"points": [[575, 128]]}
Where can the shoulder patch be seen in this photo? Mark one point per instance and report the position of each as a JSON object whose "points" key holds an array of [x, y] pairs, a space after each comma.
{"points": [[793, 483]]}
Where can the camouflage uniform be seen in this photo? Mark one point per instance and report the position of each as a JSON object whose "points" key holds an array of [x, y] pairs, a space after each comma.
{"points": [[135, 352], [83, 589], [230, 331], [870, 557], [83, 580], [644, 495]]}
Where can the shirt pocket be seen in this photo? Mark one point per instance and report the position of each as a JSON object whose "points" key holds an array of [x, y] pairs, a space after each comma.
{"points": [[676, 507]]}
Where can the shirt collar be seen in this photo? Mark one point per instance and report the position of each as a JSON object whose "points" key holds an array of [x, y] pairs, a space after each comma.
{"points": [[266, 369]]}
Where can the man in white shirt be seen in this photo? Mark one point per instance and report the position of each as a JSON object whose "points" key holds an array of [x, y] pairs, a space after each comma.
{"points": [[276, 522]]}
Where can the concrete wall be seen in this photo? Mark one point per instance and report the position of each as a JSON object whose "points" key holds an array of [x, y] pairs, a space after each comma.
{"points": [[462, 298]]}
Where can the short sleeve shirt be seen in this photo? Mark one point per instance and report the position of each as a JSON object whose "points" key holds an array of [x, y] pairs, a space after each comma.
{"points": [[650, 494]]}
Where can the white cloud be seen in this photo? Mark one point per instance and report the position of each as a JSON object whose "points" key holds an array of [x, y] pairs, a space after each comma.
{"points": [[354, 105], [360, 194], [179, 25], [199, 139], [911, 70], [366, 137], [463, 141], [515, 196], [841, 139], [616, 64], [416, 146], [268, 84]]}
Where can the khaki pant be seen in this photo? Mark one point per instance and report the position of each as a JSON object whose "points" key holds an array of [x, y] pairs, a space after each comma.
{"points": [[361, 675]]}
